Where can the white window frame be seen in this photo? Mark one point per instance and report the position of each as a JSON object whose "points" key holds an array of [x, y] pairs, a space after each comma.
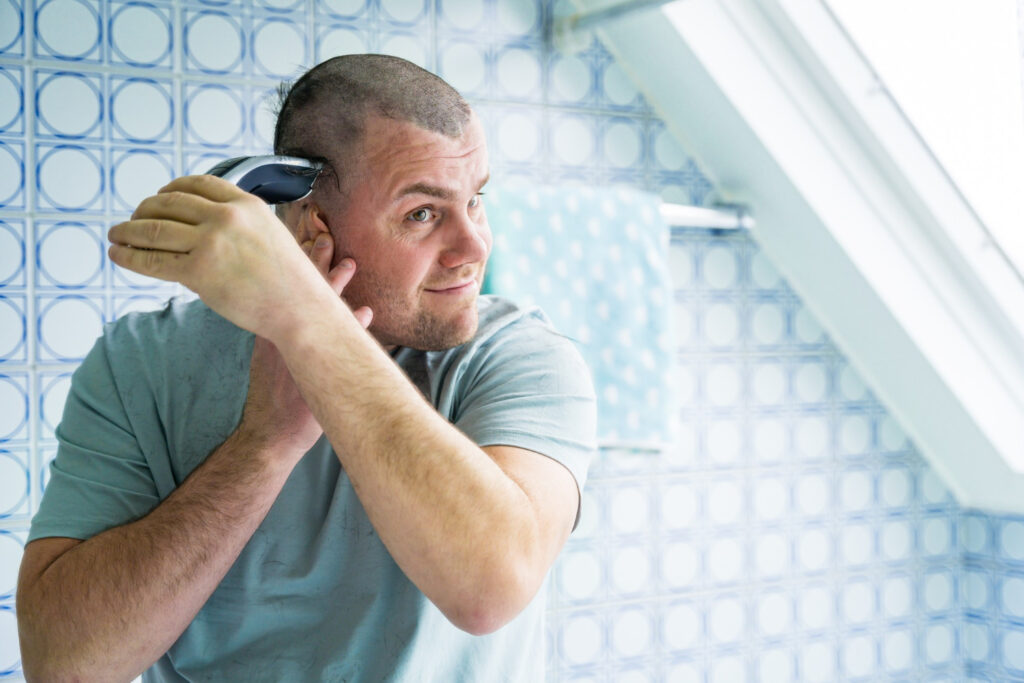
{"points": [[787, 117]]}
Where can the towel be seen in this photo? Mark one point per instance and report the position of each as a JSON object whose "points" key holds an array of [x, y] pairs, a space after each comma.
{"points": [[595, 260]]}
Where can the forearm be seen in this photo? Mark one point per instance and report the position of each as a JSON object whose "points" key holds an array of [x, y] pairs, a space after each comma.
{"points": [[112, 605], [459, 527]]}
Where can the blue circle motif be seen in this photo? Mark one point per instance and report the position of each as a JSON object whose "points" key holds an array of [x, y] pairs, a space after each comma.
{"points": [[125, 58], [234, 95], [92, 86], [4, 513], [162, 91], [77, 226], [55, 53], [21, 241], [43, 193], [241, 41], [58, 300]]}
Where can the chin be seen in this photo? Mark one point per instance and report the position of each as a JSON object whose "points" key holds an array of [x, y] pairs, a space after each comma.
{"points": [[430, 334]]}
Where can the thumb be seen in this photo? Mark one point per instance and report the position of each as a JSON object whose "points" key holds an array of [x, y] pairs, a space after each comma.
{"points": [[340, 275]]}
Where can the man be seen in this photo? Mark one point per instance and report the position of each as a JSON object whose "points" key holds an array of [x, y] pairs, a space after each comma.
{"points": [[323, 521]]}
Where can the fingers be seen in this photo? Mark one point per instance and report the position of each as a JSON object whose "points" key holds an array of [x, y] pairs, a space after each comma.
{"points": [[151, 233], [164, 265], [341, 275], [364, 315], [211, 187]]}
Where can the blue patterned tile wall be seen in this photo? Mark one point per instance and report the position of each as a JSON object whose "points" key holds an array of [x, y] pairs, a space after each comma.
{"points": [[790, 533]]}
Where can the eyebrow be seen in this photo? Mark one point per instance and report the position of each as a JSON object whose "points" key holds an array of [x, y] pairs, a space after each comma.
{"points": [[434, 190]]}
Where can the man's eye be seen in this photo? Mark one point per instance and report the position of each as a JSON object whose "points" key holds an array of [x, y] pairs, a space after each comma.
{"points": [[420, 215], [477, 199]]}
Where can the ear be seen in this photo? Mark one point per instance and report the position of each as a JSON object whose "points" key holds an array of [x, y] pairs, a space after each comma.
{"points": [[310, 223]]}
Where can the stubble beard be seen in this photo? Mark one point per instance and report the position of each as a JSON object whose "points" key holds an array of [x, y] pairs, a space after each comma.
{"points": [[399, 322]]}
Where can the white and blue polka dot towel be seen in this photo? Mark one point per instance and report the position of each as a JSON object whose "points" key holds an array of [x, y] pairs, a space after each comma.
{"points": [[595, 260]]}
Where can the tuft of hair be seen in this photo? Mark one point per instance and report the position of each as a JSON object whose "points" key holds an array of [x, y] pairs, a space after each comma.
{"points": [[323, 114]]}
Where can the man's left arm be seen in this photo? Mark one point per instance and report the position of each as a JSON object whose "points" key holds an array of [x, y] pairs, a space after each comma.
{"points": [[475, 529]]}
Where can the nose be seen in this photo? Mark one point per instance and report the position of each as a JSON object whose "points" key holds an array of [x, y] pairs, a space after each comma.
{"points": [[468, 240]]}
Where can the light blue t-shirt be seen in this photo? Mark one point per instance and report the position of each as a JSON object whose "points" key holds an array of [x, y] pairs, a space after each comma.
{"points": [[314, 595]]}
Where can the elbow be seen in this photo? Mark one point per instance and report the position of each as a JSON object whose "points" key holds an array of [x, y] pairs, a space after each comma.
{"points": [[494, 601]]}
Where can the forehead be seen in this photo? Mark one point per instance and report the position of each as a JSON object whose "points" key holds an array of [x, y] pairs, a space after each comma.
{"points": [[394, 148]]}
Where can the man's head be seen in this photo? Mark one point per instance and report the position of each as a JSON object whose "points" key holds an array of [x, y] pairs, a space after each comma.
{"points": [[406, 159]]}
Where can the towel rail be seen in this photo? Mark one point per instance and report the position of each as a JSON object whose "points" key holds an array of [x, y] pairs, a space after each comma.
{"points": [[721, 218]]}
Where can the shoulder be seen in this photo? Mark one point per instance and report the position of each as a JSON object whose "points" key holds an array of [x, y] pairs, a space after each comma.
{"points": [[511, 338], [177, 340]]}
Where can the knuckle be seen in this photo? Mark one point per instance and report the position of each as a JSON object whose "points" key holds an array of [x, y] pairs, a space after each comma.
{"points": [[153, 231]]}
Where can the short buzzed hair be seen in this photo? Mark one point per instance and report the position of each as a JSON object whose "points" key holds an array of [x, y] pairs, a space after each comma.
{"points": [[323, 114]]}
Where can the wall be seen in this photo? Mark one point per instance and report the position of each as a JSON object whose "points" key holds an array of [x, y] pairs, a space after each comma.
{"points": [[792, 533]]}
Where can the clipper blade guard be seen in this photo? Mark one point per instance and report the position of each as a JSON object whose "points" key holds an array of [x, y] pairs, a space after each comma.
{"points": [[274, 179]]}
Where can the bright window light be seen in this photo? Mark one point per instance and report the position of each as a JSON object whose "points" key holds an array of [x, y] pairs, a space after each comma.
{"points": [[954, 67]]}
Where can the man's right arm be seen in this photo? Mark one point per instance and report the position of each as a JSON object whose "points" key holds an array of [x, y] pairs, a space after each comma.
{"points": [[109, 607]]}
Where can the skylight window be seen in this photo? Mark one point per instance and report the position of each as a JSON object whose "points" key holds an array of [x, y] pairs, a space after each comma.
{"points": [[954, 67]]}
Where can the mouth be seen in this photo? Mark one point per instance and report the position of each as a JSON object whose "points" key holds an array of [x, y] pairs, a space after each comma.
{"points": [[459, 288]]}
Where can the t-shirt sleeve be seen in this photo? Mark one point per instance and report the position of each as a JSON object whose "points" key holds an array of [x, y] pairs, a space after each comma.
{"points": [[530, 388], [99, 478]]}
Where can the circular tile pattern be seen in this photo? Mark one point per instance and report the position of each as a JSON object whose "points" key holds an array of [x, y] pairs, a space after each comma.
{"points": [[582, 639], [622, 144], [279, 48], [10, 656], [407, 47], [10, 24], [70, 254], [630, 570], [141, 110], [722, 385], [618, 87], [572, 141], [463, 14], [140, 34], [139, 174], [215, 115], [768, 324], [723, 441], [464, 66], [770, 439], [681, 627], [403, 11], [771, 498], [69, 105], [721, 324], [580, 573], [518, 17], [774, 613], [14, 401], [12, 331], [214, 42], [344, 8], [12, 252], [68, 327], [570, 78], [519, 72], [14, 488], [518, 137], [55, 396], [10, 100], [771, 554], [631, 633], [70, 177], [897, 597], [340, 41], [68, 28]]}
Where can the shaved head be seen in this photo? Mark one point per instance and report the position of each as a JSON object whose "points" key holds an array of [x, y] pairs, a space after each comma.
{"points": [[323, 114]]}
